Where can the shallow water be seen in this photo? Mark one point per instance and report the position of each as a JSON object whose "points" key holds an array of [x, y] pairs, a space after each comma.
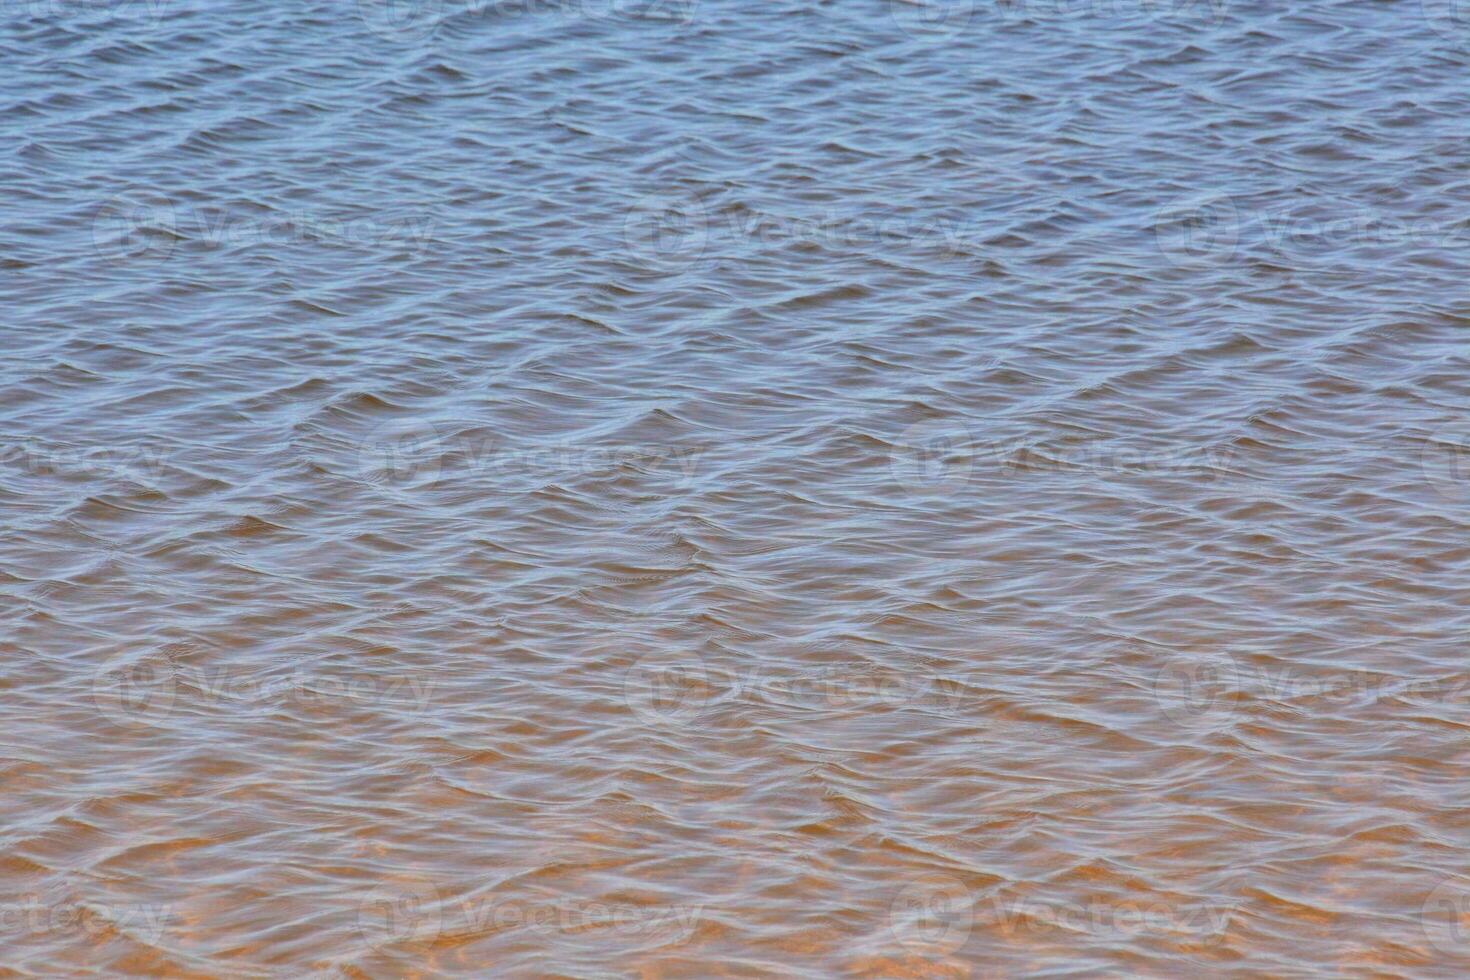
{"points": [[668, 489]]}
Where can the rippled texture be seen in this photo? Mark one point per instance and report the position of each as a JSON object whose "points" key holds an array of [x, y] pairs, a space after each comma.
{"points": [[686, 490]]}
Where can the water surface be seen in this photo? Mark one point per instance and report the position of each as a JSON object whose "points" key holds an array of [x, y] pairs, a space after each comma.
{"points": [[711, 489]]}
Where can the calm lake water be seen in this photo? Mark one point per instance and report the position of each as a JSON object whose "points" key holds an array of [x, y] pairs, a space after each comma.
{"points": [[636, 488]]}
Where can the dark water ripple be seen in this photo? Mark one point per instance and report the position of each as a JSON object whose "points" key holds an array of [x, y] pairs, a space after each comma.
{"points": [[674, 489]]}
